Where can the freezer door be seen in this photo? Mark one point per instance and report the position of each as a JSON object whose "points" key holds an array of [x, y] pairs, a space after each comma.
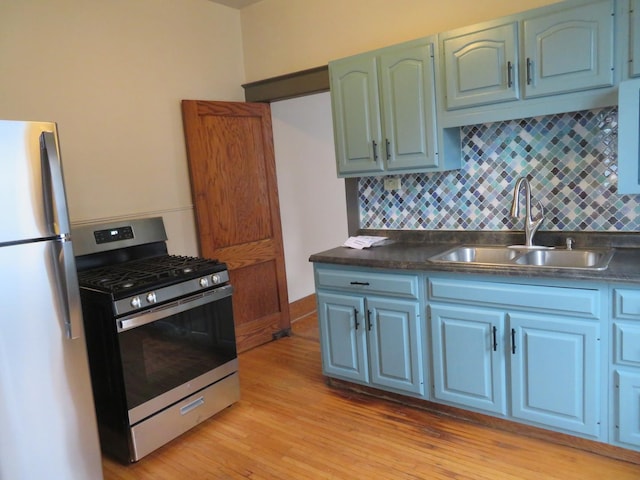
{"points": [[47, 417], [32, 192]]}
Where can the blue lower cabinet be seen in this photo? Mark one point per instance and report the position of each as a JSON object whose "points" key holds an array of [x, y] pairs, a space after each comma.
{"points": [[530, 352], [371, 339], [394, 350], [343, 336], [555, 372], [468, 357], [627, 421]]}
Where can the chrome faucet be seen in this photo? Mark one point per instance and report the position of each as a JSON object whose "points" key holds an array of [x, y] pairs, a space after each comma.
{"points": [[531, 224]]}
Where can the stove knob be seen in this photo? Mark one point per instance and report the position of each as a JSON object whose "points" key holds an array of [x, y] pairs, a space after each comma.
{"points": [[135, 302], [151, 297], [204, 282], [215, 279]]}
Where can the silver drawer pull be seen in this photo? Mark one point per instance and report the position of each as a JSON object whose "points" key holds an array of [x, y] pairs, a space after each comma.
{"points": [[191, 406]]}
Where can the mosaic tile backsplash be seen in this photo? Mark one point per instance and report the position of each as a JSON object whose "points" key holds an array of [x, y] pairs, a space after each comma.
{"points": [[570, 160]]}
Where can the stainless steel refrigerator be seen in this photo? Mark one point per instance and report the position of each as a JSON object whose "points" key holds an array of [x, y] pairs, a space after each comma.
{"points": [[47, 418]]}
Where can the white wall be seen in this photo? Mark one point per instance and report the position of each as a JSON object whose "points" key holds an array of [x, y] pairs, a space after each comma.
{"points": [[312, 198], [284, 36], [112, 74]]}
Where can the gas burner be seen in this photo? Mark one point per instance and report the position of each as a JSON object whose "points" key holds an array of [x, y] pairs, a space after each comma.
{"points": [[132, 277]]}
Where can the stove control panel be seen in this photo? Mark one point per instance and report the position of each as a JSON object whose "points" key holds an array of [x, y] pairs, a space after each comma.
{"points": [[159, 296], [113, 234]]}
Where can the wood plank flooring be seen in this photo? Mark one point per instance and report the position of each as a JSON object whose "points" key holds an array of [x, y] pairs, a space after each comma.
{"points": [[290, 425]]}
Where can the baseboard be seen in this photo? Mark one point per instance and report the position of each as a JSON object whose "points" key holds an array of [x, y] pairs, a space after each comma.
{"points": [[303, 307]]}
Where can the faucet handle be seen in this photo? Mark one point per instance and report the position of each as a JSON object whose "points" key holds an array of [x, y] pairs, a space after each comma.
{"points": [[540, 215], [569, 242]]}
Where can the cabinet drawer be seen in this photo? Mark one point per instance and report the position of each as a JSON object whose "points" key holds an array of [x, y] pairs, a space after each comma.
{"points": [[580, 302], [626, 343], [626, 304], [387, 284]]}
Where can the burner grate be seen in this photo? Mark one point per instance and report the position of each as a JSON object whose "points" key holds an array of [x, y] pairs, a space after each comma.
{"points": [[147, 273]]}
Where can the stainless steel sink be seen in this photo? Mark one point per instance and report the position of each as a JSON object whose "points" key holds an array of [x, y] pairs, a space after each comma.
{"points": [[477, 254], [592, 259], [520, 256]]}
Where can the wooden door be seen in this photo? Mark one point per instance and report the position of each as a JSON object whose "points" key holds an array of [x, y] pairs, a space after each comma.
{"points": [[235, 194]]}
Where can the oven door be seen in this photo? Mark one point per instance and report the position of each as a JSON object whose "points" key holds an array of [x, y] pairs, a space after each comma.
{"points": [[175, 350]]}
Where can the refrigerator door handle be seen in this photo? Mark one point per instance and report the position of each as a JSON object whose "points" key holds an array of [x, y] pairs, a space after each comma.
{"points": [[70, 291], [65, 260], [48, 141]]}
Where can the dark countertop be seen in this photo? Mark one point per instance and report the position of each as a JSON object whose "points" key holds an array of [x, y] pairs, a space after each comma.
{"points": [[411, 251]]}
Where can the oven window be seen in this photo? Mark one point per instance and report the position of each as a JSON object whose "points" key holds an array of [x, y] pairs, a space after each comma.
{"points": [[164, 354]]}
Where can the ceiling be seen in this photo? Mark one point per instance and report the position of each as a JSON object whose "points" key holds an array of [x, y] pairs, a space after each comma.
{"points": [[237, 4]]}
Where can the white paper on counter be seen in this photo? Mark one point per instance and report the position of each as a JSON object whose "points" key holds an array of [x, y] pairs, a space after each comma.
{"points": [[363, 241]]}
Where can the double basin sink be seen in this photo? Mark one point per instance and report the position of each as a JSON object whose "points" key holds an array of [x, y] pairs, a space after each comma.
{"points": [[522, 256]]}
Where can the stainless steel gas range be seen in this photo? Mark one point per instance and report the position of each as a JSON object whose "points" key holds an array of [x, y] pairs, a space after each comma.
{"points": [[160, 335]]}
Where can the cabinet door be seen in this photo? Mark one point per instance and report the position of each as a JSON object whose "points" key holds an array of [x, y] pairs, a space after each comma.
{"points": [[634, 42], [408, 105], [555, 369], [569, 51], [356, 114], [481, 67], [468, 356], [394, 344], [343, 336], [628, 408], [629, 137]]}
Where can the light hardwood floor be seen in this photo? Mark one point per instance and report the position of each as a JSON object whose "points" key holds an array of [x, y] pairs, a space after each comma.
{"points": [[290, 425]]}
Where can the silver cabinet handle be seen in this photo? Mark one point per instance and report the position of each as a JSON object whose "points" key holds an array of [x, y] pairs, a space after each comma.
{"points": [[375, 150], [509, 75], [529, 74]]}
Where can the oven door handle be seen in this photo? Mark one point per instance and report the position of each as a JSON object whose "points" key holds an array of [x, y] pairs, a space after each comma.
{"points": [[173, 308]]}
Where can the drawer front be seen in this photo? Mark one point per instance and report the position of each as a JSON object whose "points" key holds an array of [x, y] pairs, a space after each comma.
{"points": [[626, 343], [159, 429], [387, 284], [581, 302], [626, 304]]}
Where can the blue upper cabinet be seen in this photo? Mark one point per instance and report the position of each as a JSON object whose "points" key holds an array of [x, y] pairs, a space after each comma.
{"points": [[356, 114], [629, 137], [510, 67], [634, 42], [481, 67], [569, 50], [384, 113], [408, 105]]}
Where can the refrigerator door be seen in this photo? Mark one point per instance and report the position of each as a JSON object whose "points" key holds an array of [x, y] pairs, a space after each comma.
{"points": [[31, 182], [48, 424]]}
